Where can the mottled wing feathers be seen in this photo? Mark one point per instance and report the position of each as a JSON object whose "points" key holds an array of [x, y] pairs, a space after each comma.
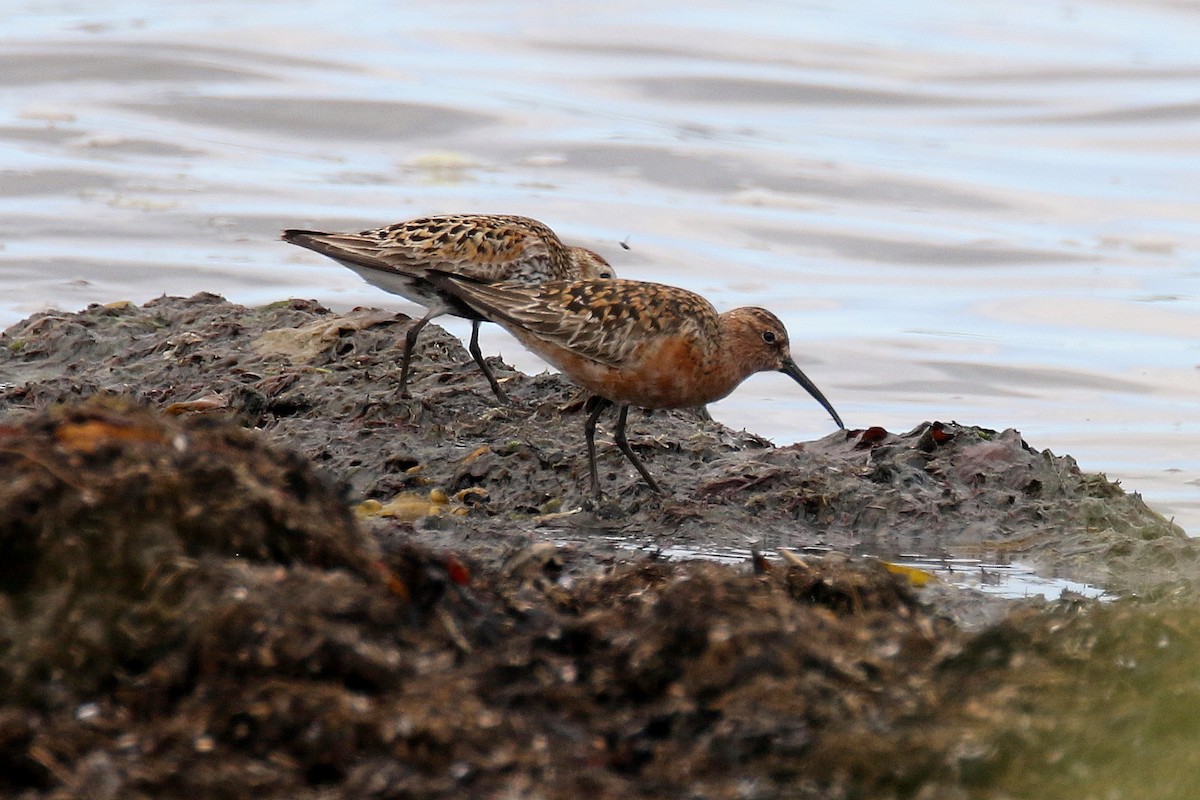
{"points": [[480, 246], [339, 246], [484, 247], [602, 320]]}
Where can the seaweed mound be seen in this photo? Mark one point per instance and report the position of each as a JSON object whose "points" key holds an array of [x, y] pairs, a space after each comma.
{"points": [[186, 610], [113, 516]]}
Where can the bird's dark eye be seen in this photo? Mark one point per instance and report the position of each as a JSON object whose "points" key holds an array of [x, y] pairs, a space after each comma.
{"points": [[606, 275], [769, 337]]}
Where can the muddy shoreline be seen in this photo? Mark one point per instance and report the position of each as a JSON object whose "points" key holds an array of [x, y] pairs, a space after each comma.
{"points": [[322, 384], [246, 562]]}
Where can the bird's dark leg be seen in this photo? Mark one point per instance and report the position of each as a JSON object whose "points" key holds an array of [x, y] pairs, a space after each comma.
{"points": [[595, 405], [487, 371], [623, 443], [410, 341]]}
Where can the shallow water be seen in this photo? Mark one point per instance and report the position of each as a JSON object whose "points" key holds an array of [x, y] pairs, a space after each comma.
{"points": [[995, 577], [983, 213]]}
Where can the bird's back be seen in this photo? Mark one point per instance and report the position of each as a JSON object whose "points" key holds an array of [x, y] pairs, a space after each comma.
{"points": [[483, 247]]}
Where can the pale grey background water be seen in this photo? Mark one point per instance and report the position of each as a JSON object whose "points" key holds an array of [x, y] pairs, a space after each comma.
{"points": [[978, 211]]}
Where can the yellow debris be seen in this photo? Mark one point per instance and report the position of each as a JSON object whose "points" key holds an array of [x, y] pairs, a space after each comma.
{"points": [[476, 453], [411, 506], [917, 577]]}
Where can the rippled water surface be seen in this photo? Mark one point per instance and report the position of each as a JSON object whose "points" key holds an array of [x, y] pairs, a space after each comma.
{"points": [[984, 212]]}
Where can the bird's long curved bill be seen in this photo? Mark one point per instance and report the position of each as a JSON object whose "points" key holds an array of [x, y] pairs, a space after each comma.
{"points": [[789, 368]]}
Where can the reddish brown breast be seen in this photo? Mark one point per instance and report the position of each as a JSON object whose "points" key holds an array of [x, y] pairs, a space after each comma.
{"points": [[665, 372]]}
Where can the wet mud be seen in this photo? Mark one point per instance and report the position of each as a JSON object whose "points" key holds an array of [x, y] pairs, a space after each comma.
{"points": [[234, 561]]}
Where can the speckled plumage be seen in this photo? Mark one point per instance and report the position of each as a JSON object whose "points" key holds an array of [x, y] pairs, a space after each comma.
{"points": [[636, 343], [483, 247]]}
